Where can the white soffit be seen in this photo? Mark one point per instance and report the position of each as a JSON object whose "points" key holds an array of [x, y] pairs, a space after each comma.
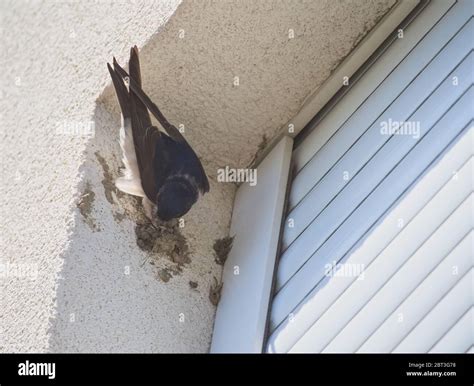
{"points": [[242, 311]]}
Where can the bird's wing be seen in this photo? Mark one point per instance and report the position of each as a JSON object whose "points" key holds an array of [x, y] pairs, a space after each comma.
{"points": [[145, 135], [130, 182], [172, 131], [121, 91], [151, 172], [142, 115], [165, 147]]}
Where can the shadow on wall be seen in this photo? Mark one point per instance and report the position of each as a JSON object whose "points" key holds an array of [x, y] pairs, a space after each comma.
{"points": [[116, 295]]}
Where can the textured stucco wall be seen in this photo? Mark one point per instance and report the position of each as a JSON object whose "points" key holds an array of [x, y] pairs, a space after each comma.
{"points": [[93, 289]]}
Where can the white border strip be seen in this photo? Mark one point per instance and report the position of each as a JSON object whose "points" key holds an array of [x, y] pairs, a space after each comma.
{"points": [[248, 272]]}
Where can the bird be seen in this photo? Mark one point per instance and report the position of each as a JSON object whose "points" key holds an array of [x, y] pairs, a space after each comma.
{"points": [[160, 167]]}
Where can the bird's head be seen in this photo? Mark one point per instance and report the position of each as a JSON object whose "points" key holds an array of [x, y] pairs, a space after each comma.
{"points": [[175, 198]]}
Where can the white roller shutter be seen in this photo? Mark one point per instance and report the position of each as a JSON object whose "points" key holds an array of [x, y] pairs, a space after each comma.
{"points": [[377, 249]]}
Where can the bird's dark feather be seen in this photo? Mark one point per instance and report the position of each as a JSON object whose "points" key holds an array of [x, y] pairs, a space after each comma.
{"points": [[185, 154], [161, 158], [121, 91]]}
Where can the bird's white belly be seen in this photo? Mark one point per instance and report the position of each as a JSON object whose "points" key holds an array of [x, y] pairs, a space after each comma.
{"points": [[130, 181]]}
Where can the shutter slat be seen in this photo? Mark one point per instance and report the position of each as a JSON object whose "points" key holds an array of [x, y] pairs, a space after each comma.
{"points": [[363, 149], [432, 191], [414, 271], [395, 207], [440, 318], [311, 273], [345, 307], [422, 300], [354, 192], [459, 337], [455, 18]]}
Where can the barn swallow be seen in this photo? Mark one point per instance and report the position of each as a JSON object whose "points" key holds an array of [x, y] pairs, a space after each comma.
{"points": [[160, 167]]}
